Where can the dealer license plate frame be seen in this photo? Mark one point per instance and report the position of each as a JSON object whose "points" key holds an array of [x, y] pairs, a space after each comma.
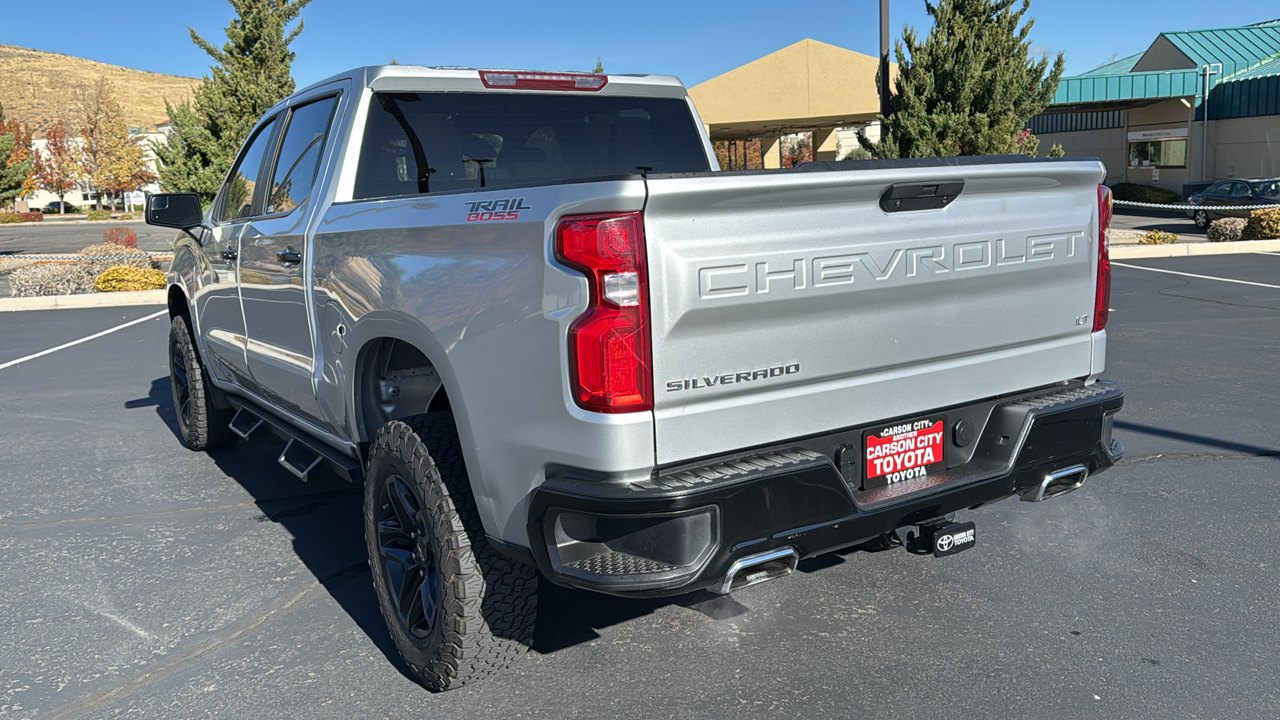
{"points": [[881, 480]]}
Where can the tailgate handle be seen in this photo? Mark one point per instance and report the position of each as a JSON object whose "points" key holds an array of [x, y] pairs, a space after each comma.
{"points": [[920, 196]]}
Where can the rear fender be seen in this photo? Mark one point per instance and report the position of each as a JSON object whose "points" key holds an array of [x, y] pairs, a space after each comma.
{"points": [[340, 386]]}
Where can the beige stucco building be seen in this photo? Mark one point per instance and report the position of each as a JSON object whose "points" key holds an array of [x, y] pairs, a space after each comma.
{"points": [[809, 86]]}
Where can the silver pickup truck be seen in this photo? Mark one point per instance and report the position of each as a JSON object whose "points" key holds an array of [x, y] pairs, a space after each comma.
{"points": [[529, 313]]}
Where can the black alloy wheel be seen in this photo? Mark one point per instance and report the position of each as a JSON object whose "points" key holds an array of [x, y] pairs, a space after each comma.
{"points": [[409, 562], [457, 610], [181, 383]]}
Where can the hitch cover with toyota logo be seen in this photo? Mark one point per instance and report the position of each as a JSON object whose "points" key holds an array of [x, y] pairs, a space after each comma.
{"points": [[953, 538]]}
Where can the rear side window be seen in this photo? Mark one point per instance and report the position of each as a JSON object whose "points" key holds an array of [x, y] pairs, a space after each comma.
{"points": [[1267, 188], [433, 142], [299, 157]]}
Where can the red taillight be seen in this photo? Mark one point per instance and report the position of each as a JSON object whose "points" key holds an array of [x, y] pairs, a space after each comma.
{"points": [[522, 80], [609, 354], [1102, 300]]}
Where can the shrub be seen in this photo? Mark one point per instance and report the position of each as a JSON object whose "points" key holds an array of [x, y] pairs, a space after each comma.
{"points": [[7, 218], [31, 217], [120, 235], [1157, 237], [1262, 225], [99, 215], [125, 278], [127, 216], [1133, 192], [50, 279], [100, 257], [857, 153], [1226, 229]]}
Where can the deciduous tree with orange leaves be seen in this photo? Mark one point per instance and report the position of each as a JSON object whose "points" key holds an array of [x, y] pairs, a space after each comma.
{"points": [[57, 169], [111, 160]]}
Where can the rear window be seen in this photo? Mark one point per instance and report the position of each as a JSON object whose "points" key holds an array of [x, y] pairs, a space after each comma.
{"points": [[435, 142]]}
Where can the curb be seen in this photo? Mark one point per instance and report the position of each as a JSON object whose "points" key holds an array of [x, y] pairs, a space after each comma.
{"points": [[56, 223], [1239, 247], [90, 300]]}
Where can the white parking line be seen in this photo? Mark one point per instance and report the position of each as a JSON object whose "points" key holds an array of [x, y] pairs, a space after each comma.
{"points": [[1262, 252], [1184, 274], [64, 346]]}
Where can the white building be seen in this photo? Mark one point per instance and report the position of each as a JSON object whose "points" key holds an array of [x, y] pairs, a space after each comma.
{"points": [[84, 194]]}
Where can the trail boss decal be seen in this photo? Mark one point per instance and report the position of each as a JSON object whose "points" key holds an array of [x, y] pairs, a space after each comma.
{"points": [[904, 451], [491, 210], [700, 383]]}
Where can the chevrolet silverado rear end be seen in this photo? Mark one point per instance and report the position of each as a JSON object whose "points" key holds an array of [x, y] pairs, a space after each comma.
{"points": [[845, 353], [528, 312]]}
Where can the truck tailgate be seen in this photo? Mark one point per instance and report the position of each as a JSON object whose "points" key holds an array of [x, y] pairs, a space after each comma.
{"points": [[787, 304]]}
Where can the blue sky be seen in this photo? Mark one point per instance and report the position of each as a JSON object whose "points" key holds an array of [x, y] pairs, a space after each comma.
{"points": [[692, 40]]}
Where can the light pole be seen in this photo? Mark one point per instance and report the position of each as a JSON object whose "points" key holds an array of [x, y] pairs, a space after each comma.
{"points": [[884, 58], [1207, 71]]}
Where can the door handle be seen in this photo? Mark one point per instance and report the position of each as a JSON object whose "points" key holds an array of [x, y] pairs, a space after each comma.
{"points": [[228, 255], [289, 257]]}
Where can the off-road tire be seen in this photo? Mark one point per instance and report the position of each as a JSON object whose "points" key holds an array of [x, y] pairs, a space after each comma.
{"points": [[201, 424], [487, 603]]}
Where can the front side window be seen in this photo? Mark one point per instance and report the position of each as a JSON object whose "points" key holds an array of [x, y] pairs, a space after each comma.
{"points": [[299, 157], [237, 193], [432, 142], [1219, 189]]}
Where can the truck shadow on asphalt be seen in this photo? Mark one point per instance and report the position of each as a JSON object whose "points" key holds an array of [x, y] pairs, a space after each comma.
{"points": [[1195, 439], [325, 518]]}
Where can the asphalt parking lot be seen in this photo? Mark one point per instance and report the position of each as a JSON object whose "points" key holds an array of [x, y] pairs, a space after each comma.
{"points": [[140, 579], [1144, 220], [69, 237]]}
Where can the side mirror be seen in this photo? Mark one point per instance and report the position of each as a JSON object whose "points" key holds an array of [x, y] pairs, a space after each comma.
{"points": [[174, 210]]}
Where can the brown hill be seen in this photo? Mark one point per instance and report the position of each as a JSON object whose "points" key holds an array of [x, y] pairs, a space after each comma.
{"points": [[38, 87]]}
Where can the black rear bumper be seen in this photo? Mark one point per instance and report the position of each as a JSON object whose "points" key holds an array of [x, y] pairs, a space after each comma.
{"points": [[682, 529]]}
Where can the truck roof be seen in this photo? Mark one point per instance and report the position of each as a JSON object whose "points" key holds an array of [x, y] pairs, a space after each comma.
{"points": [[417, 77]]}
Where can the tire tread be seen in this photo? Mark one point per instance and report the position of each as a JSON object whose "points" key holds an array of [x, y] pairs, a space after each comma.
{"points": [[490, 601]]}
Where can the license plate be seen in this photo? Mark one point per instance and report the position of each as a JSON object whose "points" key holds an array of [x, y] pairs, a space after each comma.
{"points": [[903, 451]]}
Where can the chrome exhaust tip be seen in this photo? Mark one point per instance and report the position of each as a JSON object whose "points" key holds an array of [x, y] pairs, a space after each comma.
{"points": [[755, 569], [1058, 482]]}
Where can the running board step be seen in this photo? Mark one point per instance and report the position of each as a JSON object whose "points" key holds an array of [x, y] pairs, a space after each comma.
{"points": [[301, 454], [244, 423], [299, 459]]}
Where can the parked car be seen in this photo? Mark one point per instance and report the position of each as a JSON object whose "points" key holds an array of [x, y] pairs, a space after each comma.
{"points": [[1242, 191], [528, 313], [53, 208]]}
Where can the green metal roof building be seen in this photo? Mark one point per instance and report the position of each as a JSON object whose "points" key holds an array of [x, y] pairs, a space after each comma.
{"points": [[1145, 115]]}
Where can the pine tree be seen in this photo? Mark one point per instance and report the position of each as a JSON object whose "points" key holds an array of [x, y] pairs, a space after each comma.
{"points": [[970, 86], [15, 160], [599, 65], [251, 73]]}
